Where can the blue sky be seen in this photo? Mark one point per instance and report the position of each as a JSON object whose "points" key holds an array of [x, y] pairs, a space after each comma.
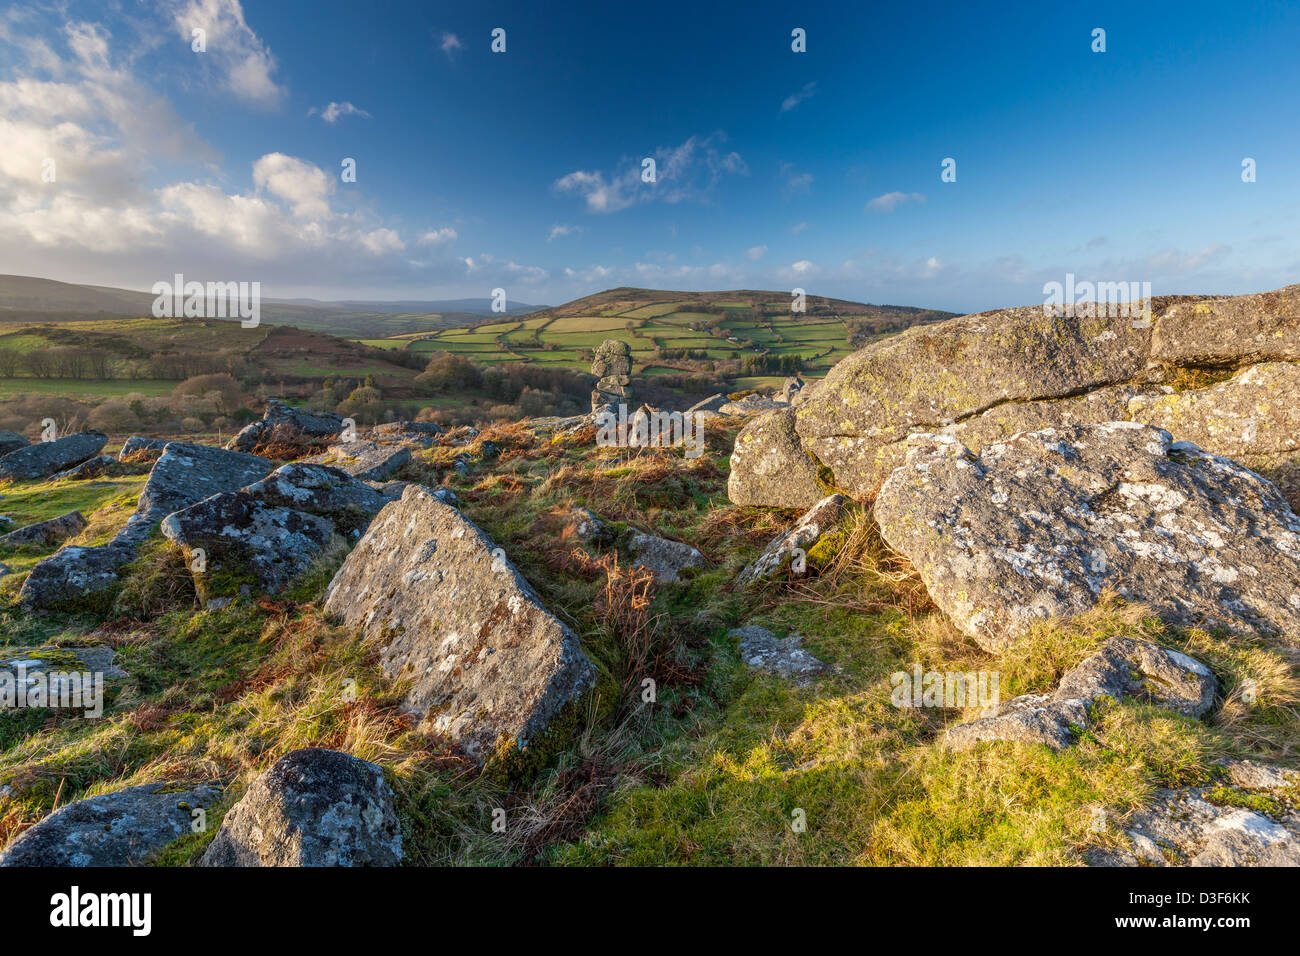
{"points": [[777, 169]]}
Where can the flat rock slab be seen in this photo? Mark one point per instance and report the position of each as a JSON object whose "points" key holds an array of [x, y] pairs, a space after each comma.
{"points": [[490, 666], [50, 457], [424, 434], [312, 808], [367, 460], [783, 554], [1124, 668], [265, 535], [1208, 826], [666, 558], [124, 828], [54, 531], [1040, 526], [785, 657], [96, 467], [183, 475]]}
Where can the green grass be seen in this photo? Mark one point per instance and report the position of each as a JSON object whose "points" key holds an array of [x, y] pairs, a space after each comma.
{"points": [[716, 771]]}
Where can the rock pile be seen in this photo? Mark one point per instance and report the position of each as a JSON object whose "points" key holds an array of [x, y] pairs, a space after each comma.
{"points": [[612, 367]]}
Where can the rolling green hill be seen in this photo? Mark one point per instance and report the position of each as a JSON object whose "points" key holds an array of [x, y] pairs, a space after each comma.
{"points": [[672, 332]]}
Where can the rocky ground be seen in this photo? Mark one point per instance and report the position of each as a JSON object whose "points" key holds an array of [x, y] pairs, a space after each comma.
{"points": [[1004, 589]]}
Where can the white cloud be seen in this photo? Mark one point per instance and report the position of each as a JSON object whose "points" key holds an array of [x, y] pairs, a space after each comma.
{"points": [[685, 173], [794, 99], [756, 252], [244, 63], [559, 231], [798, 227], [794, 183], [302, 184], [891, 201], [438, 237], [450, 44], [335, 111]]}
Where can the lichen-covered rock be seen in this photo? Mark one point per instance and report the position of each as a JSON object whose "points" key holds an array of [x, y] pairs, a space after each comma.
{"points": [[585, 527], [267, 534], [1252, 418], [663, 556], [1018, 369], [53, 531], [1232, 331], [182, 476], [312, 808], [367, 460], [1107, 404], [318, 425], [124, 828], [931, 376], [751, 405], [1042, 525], [49, 457], [770, 467], [1250, 819], [140, 447], [96, 467], [424, 434], [785, 657], [816, 527], [1124, 668], [612, 366], [11, 441], [490, 667]]}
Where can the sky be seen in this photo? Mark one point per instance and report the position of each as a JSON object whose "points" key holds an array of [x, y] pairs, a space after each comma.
{"points": [[128, 155]]}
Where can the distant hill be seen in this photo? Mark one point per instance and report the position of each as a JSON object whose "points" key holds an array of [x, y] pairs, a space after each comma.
{"points": [[742, 333], [30, 299]]}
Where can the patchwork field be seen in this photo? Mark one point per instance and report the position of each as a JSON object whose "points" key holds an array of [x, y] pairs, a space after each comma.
{"points": [[711, 326]]}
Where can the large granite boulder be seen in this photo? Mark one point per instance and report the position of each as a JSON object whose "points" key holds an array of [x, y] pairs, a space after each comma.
{"points": [[942, 376], [1042, 525], [124, 828], [265, 535], [54, 531], [315, 425], [1124, 668], [183, 475], [50, 457], [312, 808], [1252, 418], [490, 667], [770, 467], [367, 460]]}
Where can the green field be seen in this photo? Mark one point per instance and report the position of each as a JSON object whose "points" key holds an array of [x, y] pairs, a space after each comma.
{"points": [[723, 327]]}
